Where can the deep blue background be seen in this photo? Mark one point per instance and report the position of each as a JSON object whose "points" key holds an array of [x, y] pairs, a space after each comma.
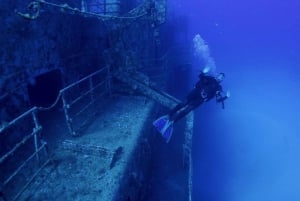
{"points": [[249, 151]]}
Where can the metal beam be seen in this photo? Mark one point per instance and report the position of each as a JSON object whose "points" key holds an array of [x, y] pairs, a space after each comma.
{"points": [[139, 82]]}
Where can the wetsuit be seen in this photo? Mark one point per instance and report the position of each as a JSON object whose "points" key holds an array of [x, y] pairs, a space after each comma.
{"points": [[205, 89]]}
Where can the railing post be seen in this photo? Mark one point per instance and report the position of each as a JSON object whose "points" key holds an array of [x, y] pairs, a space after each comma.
{"points": [[36, 130], [104, 7], [67, 116], [83, 6], [108, 86], [91, 88]]}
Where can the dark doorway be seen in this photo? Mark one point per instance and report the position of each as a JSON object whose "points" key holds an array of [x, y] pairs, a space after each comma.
{"points": [[44, 90]]}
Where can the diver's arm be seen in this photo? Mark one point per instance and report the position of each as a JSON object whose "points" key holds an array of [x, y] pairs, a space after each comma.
{"points": [[220, 97]]}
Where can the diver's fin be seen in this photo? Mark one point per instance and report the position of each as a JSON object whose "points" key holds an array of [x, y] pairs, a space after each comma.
{"points": [[160, 123], [164, 126], [167, 131]]}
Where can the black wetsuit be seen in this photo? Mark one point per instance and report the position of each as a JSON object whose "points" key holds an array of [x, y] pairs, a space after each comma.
{"points": [[205, 89]]}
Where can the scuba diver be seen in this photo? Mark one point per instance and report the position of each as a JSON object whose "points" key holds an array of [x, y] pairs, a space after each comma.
{"points": [[205, 89]]}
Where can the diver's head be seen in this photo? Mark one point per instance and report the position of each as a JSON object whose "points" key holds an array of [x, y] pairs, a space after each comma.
{"points": [[220, 77]]}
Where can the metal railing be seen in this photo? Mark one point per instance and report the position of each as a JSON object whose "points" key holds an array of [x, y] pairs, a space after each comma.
{"points": [[107, 10], [79, 96], [39, 145], [101, 7], [91, 88]]}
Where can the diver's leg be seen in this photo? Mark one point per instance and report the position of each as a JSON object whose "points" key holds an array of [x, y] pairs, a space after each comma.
{"points": [[178, 107], [192, 99], [191, 106], [182, 113]]}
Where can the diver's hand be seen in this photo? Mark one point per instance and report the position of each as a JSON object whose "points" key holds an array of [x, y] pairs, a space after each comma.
{"points": [[227, 94]]}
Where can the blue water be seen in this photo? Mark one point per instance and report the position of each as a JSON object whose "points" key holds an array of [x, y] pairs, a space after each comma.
{"points": [[249, 151]]}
